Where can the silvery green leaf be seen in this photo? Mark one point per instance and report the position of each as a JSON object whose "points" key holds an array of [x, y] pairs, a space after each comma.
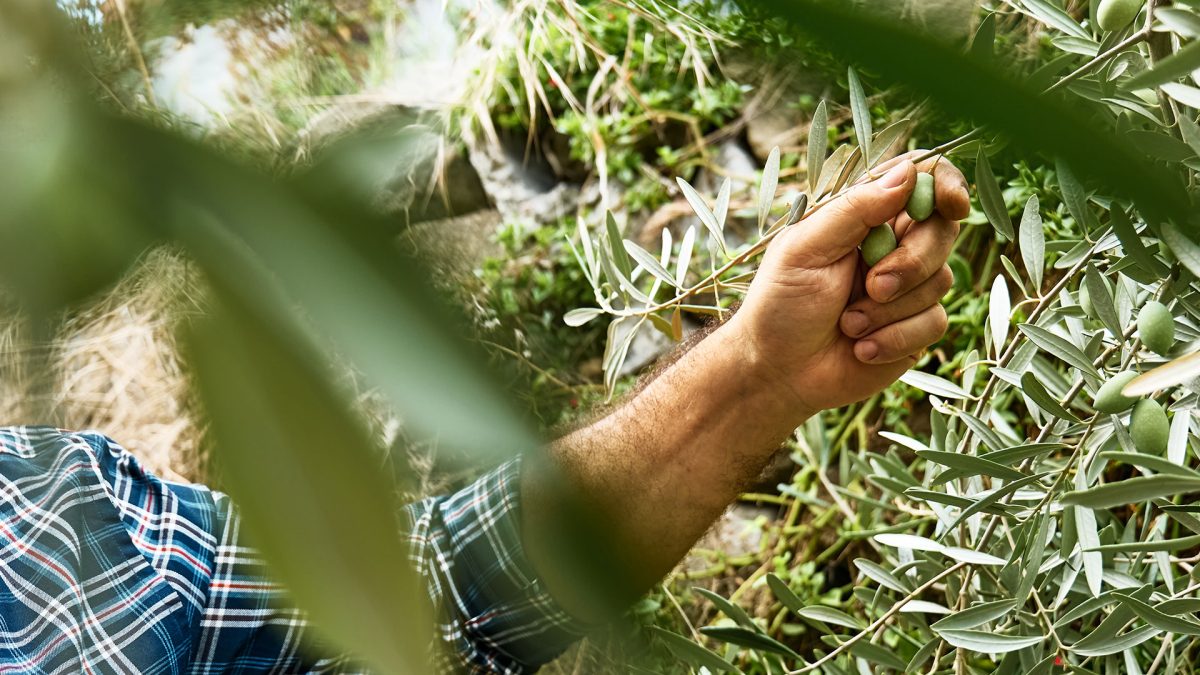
{"points": [[933, 384], [1054, 16], [973, 557], [861, 113], [818, 146], [1185, 94], [796, 212], [1089, 539], [751, 639], [909, 541], [975, 615], [1178, 438], [1032, 387], [1131, 243], [991, 198], [686, 248], [830, 169], [1033, 242], [1183, 246], [1113, 645], [989, 643], [1179, 371], [579, 317], [1131, 490], [767, 188], [999, 308], [616, 250], [1180, 21], [785, 595], [1190, 132], [881, 576], [1059, 348], [885, 140], [689, 652], [727, 608], [1075, 196], [705, 214], [721, 210], [923, 607], [1158, 619], [971, 465], [648, 262], [829, 615], [1102, 301], [987, 502], [900, 439], [1177, 65]]}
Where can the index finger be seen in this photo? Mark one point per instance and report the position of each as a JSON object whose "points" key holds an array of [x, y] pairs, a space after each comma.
{"points": [[951, 196]]}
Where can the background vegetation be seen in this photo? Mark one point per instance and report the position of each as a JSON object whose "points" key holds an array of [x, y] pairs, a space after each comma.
{"points": [[982, 516]]}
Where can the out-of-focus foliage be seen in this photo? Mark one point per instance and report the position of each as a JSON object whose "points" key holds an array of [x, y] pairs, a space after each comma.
{"points": [[998, 524]]}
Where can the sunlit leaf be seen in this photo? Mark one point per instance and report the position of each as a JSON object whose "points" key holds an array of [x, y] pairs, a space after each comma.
{"points": [[1131, 490], [766, 189], [1033, 242], [999, 308], [861, 113], [1179, 371], [818, 145], [275, 419], [989, 643]]}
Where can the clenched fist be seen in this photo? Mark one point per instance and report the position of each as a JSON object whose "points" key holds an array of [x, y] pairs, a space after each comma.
{"points": [[821, 325]]}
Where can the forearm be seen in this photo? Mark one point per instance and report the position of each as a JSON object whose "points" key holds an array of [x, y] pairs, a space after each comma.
{"points": [[661, 468]]}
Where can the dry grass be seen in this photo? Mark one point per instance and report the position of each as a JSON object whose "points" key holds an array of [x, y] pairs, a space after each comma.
{"points": [[113, 366]]}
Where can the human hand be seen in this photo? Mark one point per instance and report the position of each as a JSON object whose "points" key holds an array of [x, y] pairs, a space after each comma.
{"points": [[823, 327]]}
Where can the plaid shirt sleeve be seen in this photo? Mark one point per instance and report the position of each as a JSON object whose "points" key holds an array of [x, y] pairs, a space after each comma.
{"points": [[105, 568]]}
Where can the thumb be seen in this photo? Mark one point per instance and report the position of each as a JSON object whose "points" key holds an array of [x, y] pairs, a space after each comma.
{"points": [[838, 228]]}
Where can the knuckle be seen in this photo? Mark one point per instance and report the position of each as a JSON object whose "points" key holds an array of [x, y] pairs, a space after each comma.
{"points": [[943, 281], [941, 322]]}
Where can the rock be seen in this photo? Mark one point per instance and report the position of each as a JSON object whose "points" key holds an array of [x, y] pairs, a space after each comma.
{"points": [[522, 188], [456, 246]]}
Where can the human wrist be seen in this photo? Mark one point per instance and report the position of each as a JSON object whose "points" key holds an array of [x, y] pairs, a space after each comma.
{"points": [[761, 378]]}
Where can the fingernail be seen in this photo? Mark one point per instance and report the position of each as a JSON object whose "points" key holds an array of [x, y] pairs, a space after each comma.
{"points": [[855, 323], [887, 286], [867, 351], [896, 177]]}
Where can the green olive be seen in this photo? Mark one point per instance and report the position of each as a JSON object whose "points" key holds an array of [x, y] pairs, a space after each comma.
{"points": [[921, 201], [1109, 398], [880, 241], [1149, 427], [1156, 327], [1114, 15]]}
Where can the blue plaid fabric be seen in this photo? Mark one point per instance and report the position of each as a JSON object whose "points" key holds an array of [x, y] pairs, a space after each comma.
{"points": [[104, 568]]}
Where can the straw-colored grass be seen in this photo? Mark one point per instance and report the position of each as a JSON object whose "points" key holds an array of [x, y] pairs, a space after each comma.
{"points": [[113, 366]]}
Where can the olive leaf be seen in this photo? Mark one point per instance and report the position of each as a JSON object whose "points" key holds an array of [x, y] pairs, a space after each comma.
{"points": [[999, 308], [861, 113], [1175, 66], [690, 652], [767, 187], [703, 212], [648, 262], [1033, 242], [990, 197], [818, 145]]}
